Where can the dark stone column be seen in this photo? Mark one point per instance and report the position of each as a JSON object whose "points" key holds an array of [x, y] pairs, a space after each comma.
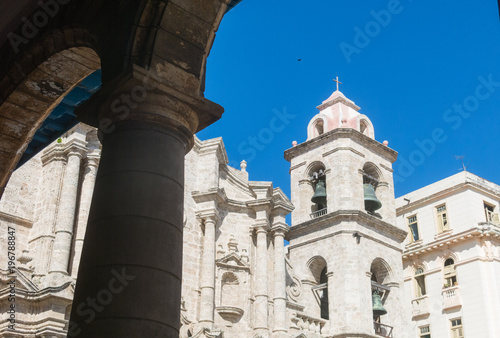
{"points": [[129, 280]]}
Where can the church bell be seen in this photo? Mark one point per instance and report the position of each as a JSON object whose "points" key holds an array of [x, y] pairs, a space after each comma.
{"points": [[319, 196], [371, 201], [378, 309]]}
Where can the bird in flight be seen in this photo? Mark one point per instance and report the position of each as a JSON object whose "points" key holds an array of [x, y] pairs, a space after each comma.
{"points": [[299, 59]]}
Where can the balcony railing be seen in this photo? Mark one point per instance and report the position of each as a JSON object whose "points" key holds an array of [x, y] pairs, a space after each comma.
{"points": [[451, 297], [319, 213], [383, 330], [492, 217], [307, 323], [420, 306]]}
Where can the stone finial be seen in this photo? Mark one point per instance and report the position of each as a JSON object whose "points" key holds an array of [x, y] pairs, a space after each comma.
{"points": [[243, 165], [294, 143], [232, 244], [24, 259], [385, 143], [244, 255], [220, 251]]}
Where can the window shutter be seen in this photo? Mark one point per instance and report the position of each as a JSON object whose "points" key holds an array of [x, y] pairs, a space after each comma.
{"points": [[445, 222], [449, 270], [440, 222]]}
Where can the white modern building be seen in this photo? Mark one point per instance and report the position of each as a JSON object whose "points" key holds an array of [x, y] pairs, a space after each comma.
{"points": [[451, 257]]}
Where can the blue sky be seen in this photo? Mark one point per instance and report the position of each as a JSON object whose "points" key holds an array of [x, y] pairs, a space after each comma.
{"points": [[427, 74]]}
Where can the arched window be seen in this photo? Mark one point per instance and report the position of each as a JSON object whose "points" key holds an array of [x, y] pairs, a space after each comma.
{"points": [[363, 127], [450, 273], [420, 282], [318, 268], [323, 280], [319, 128]]}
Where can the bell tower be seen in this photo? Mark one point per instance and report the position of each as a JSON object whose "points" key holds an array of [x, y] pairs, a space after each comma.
{"points": [[345, 246]]}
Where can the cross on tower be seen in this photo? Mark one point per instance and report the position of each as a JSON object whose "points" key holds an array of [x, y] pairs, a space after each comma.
{"points": [[337, 80]]}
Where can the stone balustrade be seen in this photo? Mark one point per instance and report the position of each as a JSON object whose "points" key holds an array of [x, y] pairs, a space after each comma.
{"points": [[420, 306], [308, 324], [451, 297]]}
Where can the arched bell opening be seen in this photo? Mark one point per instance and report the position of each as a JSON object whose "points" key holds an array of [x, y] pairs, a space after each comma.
{"points": [[318, 269], [380, 276], [323, 280], [371, 179], [317, 177]]}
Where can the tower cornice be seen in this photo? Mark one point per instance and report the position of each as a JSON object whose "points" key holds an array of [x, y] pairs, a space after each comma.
{"points": [[338, 133], [360, 217]]}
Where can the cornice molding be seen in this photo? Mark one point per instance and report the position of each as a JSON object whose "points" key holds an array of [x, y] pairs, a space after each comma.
{"points": [[338, 216], [375, 146], [483, 230], [343, 148], [16, 219], [297, 166], [440, 194]]}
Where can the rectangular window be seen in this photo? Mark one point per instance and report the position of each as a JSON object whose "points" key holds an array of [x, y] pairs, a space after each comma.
{"points": [[456, 328], [491, 215], [420, 283], [442, 218], [424, 332], [412, 224]]}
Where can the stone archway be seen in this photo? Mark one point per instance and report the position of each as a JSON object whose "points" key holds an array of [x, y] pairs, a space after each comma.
{"points": [[152, 55], [169, 39]]}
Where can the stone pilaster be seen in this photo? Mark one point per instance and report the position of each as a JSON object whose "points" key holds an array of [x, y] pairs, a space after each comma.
{"points": [[331, 303], [65, 221], [84, 208], [280, 329], [207, 282], [303, 210], [132, 250], [261, 280], [53, 160]]}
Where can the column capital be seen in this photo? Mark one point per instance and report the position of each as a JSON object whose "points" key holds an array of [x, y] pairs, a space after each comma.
{"points": [[75, 147], [261, 226], [140, 95], [280, 229], [208, 216], [54, 152], [93, 159]]}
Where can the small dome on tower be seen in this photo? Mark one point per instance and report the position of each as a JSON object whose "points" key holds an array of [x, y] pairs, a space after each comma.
{"points": [[338, 111]]}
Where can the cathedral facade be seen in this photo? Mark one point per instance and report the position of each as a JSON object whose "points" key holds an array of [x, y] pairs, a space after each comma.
{"points": [[341, 274]]}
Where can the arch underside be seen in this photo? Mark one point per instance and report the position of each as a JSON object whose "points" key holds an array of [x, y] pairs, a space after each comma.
{"points": [[170, 39]]}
